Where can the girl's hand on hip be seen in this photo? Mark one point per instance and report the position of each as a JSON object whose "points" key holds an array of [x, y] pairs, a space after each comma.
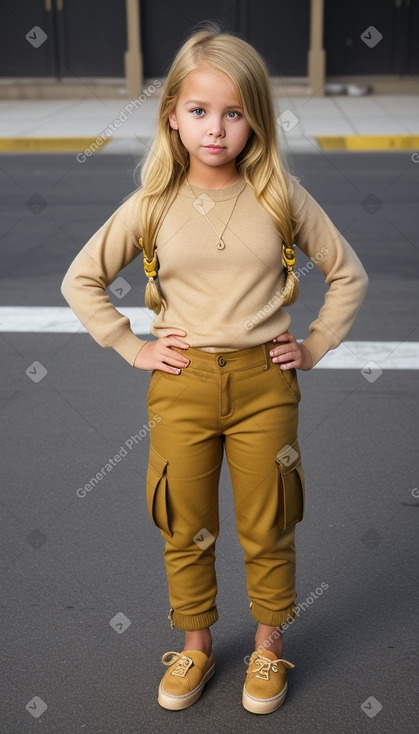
{"points": [[160, 355], [291, 354]]}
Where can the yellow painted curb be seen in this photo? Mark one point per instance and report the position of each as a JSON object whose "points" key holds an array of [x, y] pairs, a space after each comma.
{"points": [[51, 145], [368, 142]]}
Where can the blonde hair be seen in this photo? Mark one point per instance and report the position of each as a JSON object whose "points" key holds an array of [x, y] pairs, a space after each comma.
{"points": [[259, 163]]}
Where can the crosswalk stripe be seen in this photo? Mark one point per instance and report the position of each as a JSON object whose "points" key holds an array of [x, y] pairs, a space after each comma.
{"points": [[62, 320], [371, 357]]}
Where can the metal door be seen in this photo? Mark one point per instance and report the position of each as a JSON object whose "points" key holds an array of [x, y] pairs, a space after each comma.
{"points": [[62, 38], [278, 29], [374, 37], [27, 45]]}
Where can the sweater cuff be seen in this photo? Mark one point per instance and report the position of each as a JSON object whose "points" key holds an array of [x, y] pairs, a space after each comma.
{"points": [[128, 345], [318, 345]]}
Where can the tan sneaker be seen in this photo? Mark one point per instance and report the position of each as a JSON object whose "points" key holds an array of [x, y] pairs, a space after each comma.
{"points": [[184, 681], [265, 686]]}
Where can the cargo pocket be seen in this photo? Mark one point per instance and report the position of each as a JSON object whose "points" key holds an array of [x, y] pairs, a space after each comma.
{"points": [[291, 486], [156, 487]]}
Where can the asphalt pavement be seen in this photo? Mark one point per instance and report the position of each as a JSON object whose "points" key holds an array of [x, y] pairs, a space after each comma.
{"points": [[84, 595]]}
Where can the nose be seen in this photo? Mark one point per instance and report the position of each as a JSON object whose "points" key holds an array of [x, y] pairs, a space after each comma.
{"points": [[216, 127]]}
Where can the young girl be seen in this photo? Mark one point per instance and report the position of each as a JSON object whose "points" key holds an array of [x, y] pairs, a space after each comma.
{"points": [[216, 219]]}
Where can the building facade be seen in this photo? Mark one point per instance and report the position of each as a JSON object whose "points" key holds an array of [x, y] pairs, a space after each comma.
{"points": [[134, 40]]}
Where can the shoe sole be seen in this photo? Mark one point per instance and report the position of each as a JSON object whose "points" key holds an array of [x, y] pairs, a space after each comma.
{"points": [[177, 703], [261, 705]]}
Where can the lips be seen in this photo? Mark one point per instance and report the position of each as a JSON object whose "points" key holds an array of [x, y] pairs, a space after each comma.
{"points": [[214, 147]]}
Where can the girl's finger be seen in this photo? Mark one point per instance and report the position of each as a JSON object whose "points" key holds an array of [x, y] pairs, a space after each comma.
{"points": [[173, 361], [167, 368], [286, 337], [173, 341], [284, 358], [172, 332], [172, 352], [281, 351]]}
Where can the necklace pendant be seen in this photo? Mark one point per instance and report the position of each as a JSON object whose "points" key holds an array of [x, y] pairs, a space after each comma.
{"points": [[221, 244]]}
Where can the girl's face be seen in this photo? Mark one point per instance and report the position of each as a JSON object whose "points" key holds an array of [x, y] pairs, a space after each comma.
{"points": [[211, 123]]}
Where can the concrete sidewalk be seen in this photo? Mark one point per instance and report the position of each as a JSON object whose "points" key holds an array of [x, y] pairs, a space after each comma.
{"points": [[309, 124]]}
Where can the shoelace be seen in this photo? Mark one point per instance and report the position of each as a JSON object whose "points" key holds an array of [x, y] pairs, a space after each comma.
{"points": [[183, 663], [266, 665]]}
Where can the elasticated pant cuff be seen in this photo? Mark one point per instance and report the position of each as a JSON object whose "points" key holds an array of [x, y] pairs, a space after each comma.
{"points": [[191, 622], [272, 618]]}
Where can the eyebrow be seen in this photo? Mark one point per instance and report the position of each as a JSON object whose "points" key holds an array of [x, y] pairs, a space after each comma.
{"points": [[205, 104]]}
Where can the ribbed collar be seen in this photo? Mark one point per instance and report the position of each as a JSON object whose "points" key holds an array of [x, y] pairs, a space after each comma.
{"points": [[228, 192]]}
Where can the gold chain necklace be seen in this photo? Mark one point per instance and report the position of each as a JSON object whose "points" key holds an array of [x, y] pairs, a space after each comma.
{"points": [[198, 205]]}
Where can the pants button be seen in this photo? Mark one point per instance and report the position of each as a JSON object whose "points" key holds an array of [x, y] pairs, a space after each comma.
{"points": [[222, 362]]}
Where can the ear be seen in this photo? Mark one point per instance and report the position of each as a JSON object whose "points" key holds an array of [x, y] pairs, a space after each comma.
{"points": [[173, 121]]}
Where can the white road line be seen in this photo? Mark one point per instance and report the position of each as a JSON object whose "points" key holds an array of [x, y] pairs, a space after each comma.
{"points": [[59, 320], [370, 356]]}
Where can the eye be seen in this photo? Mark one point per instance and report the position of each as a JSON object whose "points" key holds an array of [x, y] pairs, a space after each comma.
{"points": [[233, 112], [198, 112]]}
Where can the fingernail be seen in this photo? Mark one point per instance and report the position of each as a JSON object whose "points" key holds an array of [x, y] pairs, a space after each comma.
{"points": [[271, 354]]}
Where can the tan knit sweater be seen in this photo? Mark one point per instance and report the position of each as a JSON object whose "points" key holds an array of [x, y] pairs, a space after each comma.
{"points": [[225, 299]]}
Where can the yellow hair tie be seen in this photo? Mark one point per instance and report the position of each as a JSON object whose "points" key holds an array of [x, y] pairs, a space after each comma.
{"points": [[288, 254], [150, 266]]}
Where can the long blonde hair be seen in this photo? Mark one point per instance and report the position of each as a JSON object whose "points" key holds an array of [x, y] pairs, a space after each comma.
{"points": [[259, 163]]}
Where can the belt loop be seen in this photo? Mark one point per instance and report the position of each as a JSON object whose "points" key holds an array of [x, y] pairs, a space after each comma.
{"points": [[266, 353]]}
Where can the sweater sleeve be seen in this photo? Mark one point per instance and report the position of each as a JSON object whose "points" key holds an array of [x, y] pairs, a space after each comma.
{"points": [[317, 237], [95, 267]]}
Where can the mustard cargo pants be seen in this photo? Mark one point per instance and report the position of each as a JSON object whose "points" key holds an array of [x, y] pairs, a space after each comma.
{"points": [[244, 403]]}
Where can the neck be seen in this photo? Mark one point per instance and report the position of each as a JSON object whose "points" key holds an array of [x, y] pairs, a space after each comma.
{"points": [[215, 178]]}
